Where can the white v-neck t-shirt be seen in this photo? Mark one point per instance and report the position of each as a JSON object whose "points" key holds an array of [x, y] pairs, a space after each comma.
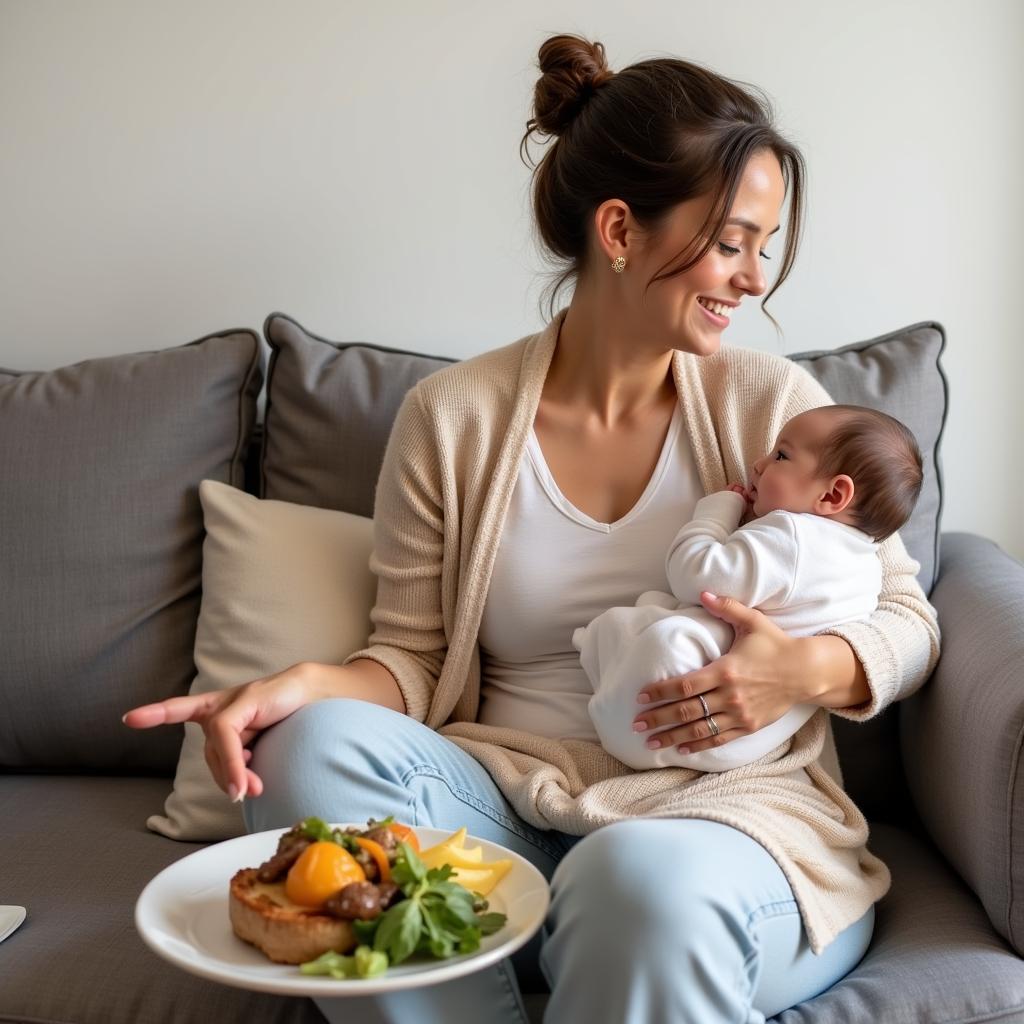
{"points": [[556, 569]]}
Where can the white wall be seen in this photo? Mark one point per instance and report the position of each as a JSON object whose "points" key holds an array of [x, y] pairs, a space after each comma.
{"points": [[172, 169]]}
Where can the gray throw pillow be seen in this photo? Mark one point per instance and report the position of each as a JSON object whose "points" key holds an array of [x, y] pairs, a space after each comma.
{"points": [[101, 546], [330, 406]]}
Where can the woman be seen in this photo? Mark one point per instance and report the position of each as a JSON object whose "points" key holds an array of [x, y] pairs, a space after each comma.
{"points": [[527, 489]]}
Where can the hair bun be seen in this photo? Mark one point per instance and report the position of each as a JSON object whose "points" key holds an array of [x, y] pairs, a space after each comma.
{"points": [[573, 68]]}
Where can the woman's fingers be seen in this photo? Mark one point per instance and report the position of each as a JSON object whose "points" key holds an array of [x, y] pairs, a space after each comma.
{"points": [[739, 616], [698, 734], [172, 711], [212, 759], [231, 719], [679, 687], [677, 712], [254, 784], [225, 737]]}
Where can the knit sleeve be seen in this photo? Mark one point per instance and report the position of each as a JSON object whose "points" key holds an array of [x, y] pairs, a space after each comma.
{"points": [[898, 645], [408, 636]]}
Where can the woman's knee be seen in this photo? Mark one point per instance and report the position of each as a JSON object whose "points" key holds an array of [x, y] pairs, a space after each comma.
{"points": [[663, 876], [628, 876], [318, 758], [321, 730]]}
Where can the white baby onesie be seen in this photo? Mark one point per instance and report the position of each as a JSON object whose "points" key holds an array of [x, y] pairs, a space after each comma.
{"points": [[803, 571]]}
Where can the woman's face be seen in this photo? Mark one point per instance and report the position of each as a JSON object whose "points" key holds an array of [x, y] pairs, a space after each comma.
{"points": [[675, 312]]}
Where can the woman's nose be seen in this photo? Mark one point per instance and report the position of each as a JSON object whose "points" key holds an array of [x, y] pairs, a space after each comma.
{"points": [[751, 277]]}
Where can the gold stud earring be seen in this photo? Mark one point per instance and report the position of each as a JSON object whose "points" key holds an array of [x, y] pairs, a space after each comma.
{"points": [[619, 264]]}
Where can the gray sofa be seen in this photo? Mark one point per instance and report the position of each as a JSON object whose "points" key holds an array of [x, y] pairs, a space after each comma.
{"points": [[100, 572]]}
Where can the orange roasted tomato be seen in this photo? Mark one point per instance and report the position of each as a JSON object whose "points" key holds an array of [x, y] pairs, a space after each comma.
{"points": [[321, 870], [405, 834]]}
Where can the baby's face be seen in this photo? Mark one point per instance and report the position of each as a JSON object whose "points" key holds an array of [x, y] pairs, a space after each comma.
{"points": [[786, 478]]}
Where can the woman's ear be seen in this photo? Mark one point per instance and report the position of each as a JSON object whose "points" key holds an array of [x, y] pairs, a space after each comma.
{"points": [[613, 228], [837, 496]]}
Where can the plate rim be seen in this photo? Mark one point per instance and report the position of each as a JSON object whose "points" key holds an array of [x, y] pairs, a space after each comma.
{"points": [[325, 987]]}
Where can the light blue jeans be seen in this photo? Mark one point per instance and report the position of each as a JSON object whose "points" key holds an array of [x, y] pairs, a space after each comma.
{"points": [[651, 919]]}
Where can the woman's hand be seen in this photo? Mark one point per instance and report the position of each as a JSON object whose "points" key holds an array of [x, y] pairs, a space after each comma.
{"points": [[231, 719], [764, 673]]}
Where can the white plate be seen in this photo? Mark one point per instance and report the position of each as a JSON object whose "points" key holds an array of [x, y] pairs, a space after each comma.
{"points": [[182, 915], [10, 920]]}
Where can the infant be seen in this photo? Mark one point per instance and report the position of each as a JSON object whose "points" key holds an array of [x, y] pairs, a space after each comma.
{"points": [[839, 480]]}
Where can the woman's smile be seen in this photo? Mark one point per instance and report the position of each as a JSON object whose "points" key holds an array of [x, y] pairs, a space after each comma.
{"points": [[718, 321]]}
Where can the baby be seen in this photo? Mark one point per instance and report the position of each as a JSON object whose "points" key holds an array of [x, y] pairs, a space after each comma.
{"points": [[839, 480]]}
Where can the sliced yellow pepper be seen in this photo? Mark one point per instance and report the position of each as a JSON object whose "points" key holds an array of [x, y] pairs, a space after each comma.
{"points": [[482, 880], [468, 865]]}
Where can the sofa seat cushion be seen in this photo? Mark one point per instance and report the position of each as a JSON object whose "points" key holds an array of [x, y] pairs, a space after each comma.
{"points": [[101, 543], [934, 956], [77, 959], [76, 854]]}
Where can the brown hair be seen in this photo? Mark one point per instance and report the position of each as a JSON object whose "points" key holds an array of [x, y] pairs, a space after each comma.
{"points": [[655, 134], [882, 458]]}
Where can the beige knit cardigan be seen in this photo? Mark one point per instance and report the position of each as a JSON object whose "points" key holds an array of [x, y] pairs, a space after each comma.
{"points": [[448, 474]]}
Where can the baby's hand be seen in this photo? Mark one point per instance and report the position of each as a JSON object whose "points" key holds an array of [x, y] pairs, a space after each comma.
{"points": [[748, 498]]}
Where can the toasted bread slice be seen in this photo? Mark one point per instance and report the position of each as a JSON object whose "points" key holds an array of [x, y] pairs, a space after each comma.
{"points": [[263, 916]]}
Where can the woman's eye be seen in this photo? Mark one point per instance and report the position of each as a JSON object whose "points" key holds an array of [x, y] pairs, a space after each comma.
{"points": [[732, 250]]}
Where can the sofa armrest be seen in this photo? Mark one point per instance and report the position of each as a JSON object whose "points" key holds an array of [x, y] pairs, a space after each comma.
{"points": [[961, 733]]}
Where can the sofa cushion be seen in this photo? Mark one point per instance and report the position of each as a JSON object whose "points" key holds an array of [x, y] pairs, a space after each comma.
{"points": [[78, 959], [282, 583], [101, 545], [934, 956], [330, 406]]}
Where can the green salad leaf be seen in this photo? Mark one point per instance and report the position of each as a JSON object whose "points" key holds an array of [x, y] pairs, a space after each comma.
{"points": [[320, 832], [438, 917], [364, 963]]}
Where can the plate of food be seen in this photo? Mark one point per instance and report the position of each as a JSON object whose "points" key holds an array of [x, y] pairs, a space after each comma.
{"points": [[340, 910]]}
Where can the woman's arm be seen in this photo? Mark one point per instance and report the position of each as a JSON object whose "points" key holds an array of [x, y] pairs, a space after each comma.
{"points": [[233, 718], [895, 649], [408, 639], [841, 679]]}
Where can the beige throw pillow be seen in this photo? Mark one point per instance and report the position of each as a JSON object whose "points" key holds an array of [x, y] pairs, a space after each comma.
{"points": [[282, 583]]}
